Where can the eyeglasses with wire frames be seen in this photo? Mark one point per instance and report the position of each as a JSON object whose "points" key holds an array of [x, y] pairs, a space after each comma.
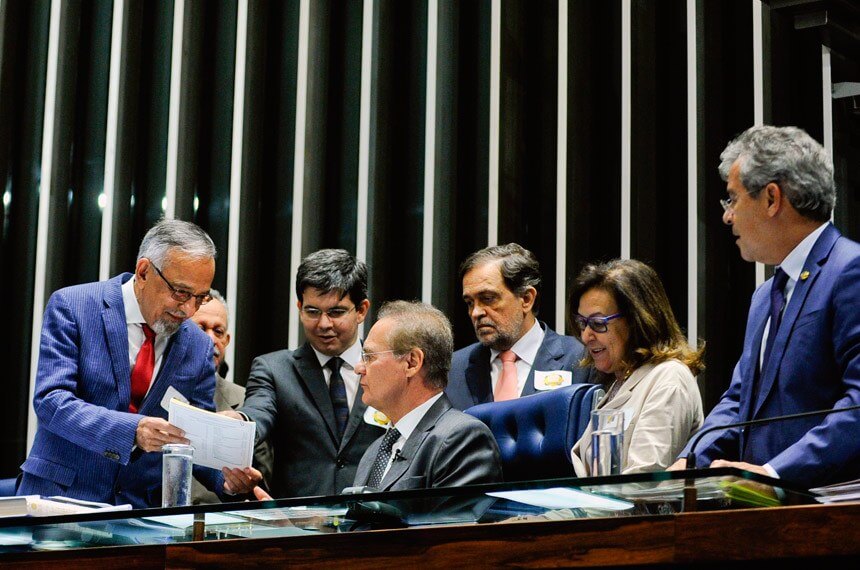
{"points": [[182, 295], [597, 324], [368, 357], [729, 203], [335, 313]]}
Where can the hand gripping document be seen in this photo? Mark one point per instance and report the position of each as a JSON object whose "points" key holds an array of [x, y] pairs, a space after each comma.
{"points": [[218, 441]]}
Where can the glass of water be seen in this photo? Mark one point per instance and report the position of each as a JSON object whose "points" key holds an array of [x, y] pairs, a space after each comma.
{"points": [[176, 474], [607, 441]]}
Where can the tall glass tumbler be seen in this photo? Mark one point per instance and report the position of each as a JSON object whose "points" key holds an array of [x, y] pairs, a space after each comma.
{"points": [[176, 474], [607, 441]]}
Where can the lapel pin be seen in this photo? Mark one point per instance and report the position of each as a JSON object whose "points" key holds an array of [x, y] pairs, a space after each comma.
{"points": [[804, 276]]}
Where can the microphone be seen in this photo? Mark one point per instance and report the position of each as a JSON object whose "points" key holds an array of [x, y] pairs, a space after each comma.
{"points": [[398, 456], [691, 456]]}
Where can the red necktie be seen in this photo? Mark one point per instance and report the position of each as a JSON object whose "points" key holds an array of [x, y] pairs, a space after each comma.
{"points": [[143, 368], [506, 387]]}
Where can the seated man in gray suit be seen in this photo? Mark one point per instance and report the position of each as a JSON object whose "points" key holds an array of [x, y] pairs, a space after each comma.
{"points": [[308, 402], [516, 354], [403, 369]]}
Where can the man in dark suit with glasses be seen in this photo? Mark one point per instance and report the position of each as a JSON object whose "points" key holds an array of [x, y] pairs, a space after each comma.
{"points": [[308, 402]]}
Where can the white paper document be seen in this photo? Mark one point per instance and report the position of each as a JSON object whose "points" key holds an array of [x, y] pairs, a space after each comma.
{"points": [[563, 498], [218, 441]]}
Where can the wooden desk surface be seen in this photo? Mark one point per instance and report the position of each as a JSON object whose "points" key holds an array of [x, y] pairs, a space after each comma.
{"points": [[749, 535]]}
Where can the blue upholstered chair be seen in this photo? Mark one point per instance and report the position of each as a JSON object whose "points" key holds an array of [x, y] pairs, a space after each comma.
{"points": [[536, 433], [7, 487]]}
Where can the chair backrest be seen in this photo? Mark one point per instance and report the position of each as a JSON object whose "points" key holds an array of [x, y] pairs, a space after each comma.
{"points": [[7, 487], [535, 433]]}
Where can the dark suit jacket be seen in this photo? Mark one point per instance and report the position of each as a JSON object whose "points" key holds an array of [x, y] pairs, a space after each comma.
{"points": [[84, 444], [448, 448], [287, 396], [469, 380], [818, 350]]}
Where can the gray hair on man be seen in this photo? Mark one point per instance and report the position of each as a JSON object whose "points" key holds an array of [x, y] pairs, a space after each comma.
{"points": [[185, 237], [420, 325], [790, 157]]}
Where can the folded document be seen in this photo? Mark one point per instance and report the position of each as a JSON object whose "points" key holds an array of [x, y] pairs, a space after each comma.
{"points": [[218, 441]]}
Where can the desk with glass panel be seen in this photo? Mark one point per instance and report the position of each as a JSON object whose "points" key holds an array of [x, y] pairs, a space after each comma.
{"points": [[700, 515]]}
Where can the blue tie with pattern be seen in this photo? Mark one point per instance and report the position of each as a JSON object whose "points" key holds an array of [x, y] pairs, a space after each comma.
{"points": [[382, 457], [337, 392]]}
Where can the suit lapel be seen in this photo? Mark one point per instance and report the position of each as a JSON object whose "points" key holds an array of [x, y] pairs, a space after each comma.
{"points": [[311, 375], [814, 261], [413, 444], [356, 417], [116, 334], [174, 353], [751, 361], [478, 375], [547, 358]]}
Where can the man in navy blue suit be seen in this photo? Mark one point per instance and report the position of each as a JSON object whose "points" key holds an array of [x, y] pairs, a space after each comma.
{"points": [[516, 354], [109, 353], [802, 343]]}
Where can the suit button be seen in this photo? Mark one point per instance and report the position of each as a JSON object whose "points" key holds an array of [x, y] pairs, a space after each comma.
{"points": [[339, 464]]}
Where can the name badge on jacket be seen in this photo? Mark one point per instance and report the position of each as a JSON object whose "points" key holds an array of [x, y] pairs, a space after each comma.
{"points": [[552, 379], [374, 417]]}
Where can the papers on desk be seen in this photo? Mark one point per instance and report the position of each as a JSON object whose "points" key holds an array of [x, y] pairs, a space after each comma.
{"points": [[187, 520], [563, 498], [218, 441], [838, 492], [38, 506]]}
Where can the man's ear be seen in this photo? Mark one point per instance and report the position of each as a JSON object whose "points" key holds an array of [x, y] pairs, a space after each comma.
{"points": [[773, 194], [414, 361], [140, 269], [528, 298], [361, 310]]}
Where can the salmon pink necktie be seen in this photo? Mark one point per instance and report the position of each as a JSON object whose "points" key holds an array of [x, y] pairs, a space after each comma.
{"points": [[506, 387]]}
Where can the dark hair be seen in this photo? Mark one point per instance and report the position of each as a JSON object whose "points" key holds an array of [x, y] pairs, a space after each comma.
{"points": [[789, 157], [420, 325], [655, 335], [333, 270], [519, 268]]}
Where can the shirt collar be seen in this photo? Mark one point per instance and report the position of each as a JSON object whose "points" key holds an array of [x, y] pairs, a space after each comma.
{"points": [[129, 301], [409, 422], [350, 356], [794, 261], [527, 347]]}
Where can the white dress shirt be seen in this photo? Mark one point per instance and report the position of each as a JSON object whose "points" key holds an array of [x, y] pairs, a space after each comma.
{"points": [[350, 358], [135, 321], [406, 426]]}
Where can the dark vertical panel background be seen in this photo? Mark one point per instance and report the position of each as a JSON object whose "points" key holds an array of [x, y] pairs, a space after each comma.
{"points": [[147, 123], [265, 290], [209, 182], [22, 105], [593, 134], [658, 233], [462, 153], [528, 127], [396, 201], [725, 94]]}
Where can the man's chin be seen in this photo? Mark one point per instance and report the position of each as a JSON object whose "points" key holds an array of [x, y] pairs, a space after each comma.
{"points": [[168, 327]]}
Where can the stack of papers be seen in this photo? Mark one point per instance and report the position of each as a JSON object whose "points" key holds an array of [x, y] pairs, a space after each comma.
{"points": [[838, 492], [218, 441], [37, 506]]}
